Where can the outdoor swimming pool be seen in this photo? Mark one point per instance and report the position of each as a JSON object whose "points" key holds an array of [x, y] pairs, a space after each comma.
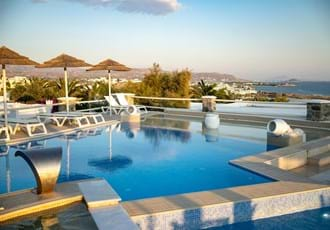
{"points": [[159, 157]]}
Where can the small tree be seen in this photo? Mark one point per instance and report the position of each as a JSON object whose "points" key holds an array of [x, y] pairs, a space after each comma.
{"points": [[204, 89], [76, 88], [35, 89], [166, 84]]}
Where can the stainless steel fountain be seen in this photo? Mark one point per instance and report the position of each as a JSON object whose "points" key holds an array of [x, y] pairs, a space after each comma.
{"points": [[45, 165]]}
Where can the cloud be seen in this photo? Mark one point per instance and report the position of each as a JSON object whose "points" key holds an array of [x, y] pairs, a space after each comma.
{"points": [[153, 7], [39, 1]]}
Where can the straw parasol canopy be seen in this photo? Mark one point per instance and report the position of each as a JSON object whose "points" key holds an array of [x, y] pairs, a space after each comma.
{"points": [[10, 57], [109, 65], [64, 61]]}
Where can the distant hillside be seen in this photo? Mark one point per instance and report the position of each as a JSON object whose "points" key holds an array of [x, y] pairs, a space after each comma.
{"points": [[52, 73], [216, 77]]}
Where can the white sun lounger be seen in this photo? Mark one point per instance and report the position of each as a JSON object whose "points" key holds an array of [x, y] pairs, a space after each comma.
{"points": [[115, 107], [32, 127], [61, 118], [96, 118], [123, 102]]}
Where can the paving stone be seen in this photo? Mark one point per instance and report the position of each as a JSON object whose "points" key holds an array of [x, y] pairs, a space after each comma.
{"points": [[98, 193], [112, 217]]}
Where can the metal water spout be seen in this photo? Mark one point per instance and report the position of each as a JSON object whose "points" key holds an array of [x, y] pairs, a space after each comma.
{"points": [[45, 165]]}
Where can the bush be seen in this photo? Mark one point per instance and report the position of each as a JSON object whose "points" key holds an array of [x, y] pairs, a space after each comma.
{"points": [[166, 84]]}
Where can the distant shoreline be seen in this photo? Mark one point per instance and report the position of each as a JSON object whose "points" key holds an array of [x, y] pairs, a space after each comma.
{"points": [[301, 89]]}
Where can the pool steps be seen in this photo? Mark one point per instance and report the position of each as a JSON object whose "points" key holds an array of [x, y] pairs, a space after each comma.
{"points": [[98, 194], [113, 217], [320, 160], [103, 204]]}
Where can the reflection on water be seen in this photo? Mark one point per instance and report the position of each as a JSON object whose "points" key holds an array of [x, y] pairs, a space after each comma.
{"points": [[37, 144], [110, 165], [4, 154], [8, 177], [63, 177], [4, 149], [157, 130], [131, 129], [167, 123], [156, 135], [211, 135], [75, 216]]}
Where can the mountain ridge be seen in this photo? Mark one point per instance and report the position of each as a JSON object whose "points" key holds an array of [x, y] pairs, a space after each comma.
{"points": [[135, 73]]}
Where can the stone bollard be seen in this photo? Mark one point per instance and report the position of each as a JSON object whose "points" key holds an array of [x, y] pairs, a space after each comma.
{"points": [[209, 103], [318, 110], [130, 98]]}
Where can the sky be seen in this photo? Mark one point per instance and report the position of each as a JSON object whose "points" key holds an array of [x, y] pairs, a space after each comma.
{"points": [[251, 39]]}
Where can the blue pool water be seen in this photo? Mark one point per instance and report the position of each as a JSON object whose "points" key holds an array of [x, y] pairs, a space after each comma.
{"points": [[148, 161]]}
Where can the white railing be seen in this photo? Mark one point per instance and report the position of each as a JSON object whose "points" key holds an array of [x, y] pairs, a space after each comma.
{"points": [[218, 100], [168, 98], [251, 103]]}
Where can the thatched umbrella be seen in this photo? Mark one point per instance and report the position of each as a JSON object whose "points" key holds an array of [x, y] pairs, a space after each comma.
{"points": [[109, 65], [10, 57], [64, 61]]}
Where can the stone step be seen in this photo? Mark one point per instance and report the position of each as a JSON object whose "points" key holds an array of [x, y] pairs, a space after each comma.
{"points": [[320, 159], [112, 217], [98, 193]]}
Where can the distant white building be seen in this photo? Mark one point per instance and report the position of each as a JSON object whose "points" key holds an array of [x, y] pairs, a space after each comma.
{"points": [[15, 80], [237, 89]]}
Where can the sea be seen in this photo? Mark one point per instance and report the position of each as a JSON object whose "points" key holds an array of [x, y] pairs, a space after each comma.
{"points": [[301, 87]]}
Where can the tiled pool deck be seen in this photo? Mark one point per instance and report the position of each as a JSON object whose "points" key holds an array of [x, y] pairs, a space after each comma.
{"points": [[292, 192]]}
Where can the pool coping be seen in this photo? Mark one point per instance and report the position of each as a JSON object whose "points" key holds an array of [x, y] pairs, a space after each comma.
{"points": [[250, 118], [24, 202]]}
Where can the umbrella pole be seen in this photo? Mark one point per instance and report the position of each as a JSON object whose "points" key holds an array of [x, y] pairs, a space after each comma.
{"points": [[4, 85], [66, 89], [109, 85]]}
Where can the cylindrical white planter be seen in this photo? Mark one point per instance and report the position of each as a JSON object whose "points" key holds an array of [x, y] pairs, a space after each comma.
{"points": [[278, 127], [212, 121], [131, 110]]}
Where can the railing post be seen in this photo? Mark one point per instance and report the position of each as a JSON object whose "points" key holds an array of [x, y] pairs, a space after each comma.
{"points": [[318, 110], [209, 103]]}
